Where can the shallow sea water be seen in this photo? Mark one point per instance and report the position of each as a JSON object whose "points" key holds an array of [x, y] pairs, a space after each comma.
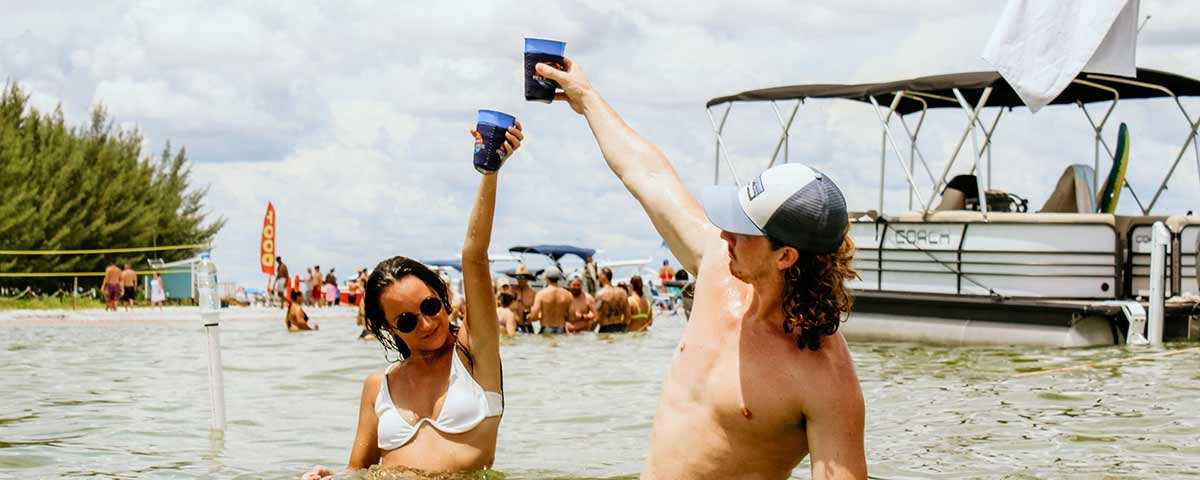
{"points": [[114, 399]]}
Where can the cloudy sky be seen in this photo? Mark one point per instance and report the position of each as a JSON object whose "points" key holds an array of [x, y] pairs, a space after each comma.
{"points": [[352, 116]]}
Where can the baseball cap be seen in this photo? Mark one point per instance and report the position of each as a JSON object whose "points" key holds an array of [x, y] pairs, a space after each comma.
{"points": [[792, 204], [552, 274]]}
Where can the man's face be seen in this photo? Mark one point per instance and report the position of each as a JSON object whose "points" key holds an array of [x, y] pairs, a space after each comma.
{"points": [[576, 287], [751, 257]]}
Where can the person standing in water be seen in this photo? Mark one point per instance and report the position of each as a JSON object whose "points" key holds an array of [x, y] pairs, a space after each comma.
{"points": [[525, 295], [296, 319], [438, 408], [762, 378], [584, 306], [641, 316], [612, 305], [552, 305], [506, 320]]}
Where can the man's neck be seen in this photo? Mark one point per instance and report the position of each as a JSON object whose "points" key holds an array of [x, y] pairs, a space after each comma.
{"points": [[766, 303]]}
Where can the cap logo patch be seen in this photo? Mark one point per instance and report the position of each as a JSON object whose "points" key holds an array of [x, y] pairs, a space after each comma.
{"points": [[755, 188]]}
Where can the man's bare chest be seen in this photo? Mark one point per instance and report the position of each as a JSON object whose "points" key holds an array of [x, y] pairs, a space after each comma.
{"points": [[745, 386]]}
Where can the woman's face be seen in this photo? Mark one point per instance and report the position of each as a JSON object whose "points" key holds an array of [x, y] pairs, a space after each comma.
{"points": [[405, 296]]}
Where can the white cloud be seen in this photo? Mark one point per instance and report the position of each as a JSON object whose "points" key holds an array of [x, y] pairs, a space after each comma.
{"points": [[352, 116]]}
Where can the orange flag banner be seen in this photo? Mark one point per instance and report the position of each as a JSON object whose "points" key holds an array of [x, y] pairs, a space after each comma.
{"points": [[266, 247]]}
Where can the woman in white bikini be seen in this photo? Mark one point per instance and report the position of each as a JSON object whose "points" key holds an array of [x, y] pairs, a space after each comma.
{"points": [[438, 408]]}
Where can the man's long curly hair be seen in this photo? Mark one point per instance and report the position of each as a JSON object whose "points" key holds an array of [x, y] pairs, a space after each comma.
{"points": [[815, 294]]}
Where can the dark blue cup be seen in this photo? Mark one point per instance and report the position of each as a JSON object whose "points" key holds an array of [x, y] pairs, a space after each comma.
{"points": [[491, 126], [539, 50]]}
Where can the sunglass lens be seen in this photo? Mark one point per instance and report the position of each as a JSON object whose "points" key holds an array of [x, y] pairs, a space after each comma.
{"points": [[406, 322], [430, 306]]}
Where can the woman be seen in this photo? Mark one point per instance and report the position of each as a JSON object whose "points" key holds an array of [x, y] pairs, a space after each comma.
{"points": [[506, 320], [158, 293], [641, 315], [438, 408], [296, 320]]}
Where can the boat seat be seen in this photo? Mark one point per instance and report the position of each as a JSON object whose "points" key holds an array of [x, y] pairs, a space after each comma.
{"points": [[971, 216], [1073, 193]]}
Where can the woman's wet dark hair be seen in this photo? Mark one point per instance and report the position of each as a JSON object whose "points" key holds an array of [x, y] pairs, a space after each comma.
{"points": [[635, 283], [506, 299], [383, 276]]}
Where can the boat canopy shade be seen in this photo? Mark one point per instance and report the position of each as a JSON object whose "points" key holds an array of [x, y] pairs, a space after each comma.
{"points": [[938, 90], [512, 272], [455, 264], [555, 252]]}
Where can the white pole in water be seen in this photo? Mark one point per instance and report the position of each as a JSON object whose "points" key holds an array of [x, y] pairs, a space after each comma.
{"points": [[1160, 244], [210, 315]]}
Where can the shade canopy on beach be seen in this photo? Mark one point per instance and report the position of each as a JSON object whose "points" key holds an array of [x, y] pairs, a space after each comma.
{"points": [[938, 90], [555, 252]]}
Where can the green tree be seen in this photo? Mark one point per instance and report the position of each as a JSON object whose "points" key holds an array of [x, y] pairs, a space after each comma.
{"points": [[67, 188]]}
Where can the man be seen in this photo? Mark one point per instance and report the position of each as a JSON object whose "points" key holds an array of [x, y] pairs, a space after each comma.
{"points": [[552, 305], [111, 288], [584, 306], [128, 286], [281, 282], [525, 299], [612, 305], [315, 280], [761, 378], [589, 276], [666, 273]]}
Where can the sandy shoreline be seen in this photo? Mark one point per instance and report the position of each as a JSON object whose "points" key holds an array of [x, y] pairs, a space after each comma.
{"points": [[154, 315]]}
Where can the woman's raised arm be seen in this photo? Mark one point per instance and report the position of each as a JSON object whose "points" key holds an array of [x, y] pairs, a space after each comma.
{"points": [[482, 320]]}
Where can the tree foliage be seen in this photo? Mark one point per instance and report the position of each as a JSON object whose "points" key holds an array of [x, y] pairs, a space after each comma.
{"points": [[68, 187]]}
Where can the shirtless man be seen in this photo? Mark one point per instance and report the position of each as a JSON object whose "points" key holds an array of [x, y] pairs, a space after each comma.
{"points": [[552, 305], [761, 378], [583, 305], [524, 304], [112, 287], [612, 305], [281, 281], [128, 286]]}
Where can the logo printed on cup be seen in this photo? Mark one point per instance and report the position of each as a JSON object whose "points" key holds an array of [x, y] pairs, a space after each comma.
{"points": [[490, 127], [550, 52]]}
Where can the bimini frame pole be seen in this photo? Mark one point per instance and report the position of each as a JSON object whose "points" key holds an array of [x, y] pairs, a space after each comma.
{"points": [[914, 152], [978, 152], [983, 98], [1193, 131], [1098, 128], [887, 135], [721, 145], [787, 127]]}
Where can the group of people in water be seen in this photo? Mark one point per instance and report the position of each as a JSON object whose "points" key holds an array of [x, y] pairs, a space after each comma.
{"points": [[557, 310], [760, 380]]}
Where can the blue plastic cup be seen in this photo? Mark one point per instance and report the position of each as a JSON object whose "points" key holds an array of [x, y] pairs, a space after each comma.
{"points": [[539, 50], [492, 126]]}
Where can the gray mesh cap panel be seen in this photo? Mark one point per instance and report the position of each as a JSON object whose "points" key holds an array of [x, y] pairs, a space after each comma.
{"points": [[812, 220]]}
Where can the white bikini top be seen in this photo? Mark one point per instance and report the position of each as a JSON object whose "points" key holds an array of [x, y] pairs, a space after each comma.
{"points": [[465, 407]]}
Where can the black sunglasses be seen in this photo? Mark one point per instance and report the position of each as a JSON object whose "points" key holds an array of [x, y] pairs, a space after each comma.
{"points": [[407, 322]]}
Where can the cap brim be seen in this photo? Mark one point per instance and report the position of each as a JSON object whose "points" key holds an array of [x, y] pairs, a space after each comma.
{"points": [[723, 210]]}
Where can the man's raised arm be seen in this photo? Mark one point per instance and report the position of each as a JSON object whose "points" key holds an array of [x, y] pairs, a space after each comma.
{"points": [[642, 167]]}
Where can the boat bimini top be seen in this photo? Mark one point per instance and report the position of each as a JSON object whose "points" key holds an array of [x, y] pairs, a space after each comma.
{"points": [[971, 92]]}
